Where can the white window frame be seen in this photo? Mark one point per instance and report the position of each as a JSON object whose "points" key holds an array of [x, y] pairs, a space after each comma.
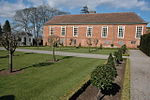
{"points": [[123, 31], [136, 32], [50, 28], [102, 32], [88, 29], [74, 31], [61, 30]]}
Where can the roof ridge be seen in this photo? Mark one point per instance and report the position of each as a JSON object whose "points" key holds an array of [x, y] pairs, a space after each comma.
{"points": [[93, 14]]}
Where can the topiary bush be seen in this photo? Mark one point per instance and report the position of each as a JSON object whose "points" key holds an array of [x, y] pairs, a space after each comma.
{"points": [[124, 49], [103, 76]]}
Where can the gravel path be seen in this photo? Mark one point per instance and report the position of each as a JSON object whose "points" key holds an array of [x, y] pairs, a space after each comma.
{"points": [[64, 53], [140, 75]]}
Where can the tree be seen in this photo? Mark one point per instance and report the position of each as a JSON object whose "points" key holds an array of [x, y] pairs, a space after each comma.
{"points": [[54, 41], [1, 31], [103, 76], [89, 43], [6, 27], [9, 41], [95, 42], [85, 10], [32, 19]]}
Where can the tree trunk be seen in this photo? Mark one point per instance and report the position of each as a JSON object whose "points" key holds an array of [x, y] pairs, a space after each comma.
{"points": [[54, 58], [10, 61], [89, 49]]}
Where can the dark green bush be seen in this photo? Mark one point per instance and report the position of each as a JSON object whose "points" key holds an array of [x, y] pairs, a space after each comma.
{"points": [[124, 49], [103, 76], [145, 44]]}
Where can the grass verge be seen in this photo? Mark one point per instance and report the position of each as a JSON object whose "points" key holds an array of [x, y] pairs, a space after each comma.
{"points": [[126, 84]]}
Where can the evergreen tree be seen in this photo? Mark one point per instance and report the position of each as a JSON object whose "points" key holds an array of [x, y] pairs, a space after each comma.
{"points": [[0, 31], [85, 10], [6, 27]]}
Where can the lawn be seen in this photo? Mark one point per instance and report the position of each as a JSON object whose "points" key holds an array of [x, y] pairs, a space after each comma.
{"points": [[105, 51], [43, 80]]}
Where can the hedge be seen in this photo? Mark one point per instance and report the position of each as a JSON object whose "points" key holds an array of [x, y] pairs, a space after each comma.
{"points": [[145, 44]]}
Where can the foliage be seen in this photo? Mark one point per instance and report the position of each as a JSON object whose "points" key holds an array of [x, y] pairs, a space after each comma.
{"points": [[112, 45], [118, 55], [145, 44], [103, 76], [54, 41], [124, 49], [32, 19], [85, 10], [1, 31], [110, 60], [6, 27], [9, 41]]}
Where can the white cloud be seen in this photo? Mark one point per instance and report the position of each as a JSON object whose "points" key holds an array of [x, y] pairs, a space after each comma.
{"points": [[8, 9], [127, 4]]}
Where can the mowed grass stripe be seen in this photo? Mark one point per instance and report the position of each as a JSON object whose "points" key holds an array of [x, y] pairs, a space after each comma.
{"points": [[49, 82]]}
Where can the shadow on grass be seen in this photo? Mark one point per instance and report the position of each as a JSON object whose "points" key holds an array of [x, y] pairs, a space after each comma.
{"points": [[43, 64], [67, 57], [15, 55], [4, 56], [7, 97], [113, 91]]}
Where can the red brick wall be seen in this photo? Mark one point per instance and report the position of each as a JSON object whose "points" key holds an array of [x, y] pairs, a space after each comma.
{"points": [[112, 38]]}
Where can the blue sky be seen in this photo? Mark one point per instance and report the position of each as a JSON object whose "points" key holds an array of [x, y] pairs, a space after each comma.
{"points": [[141, 7]]}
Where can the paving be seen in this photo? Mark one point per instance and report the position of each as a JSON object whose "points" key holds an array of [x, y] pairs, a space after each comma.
{"points": [[64, 53], [140, 75], [61, 53]]}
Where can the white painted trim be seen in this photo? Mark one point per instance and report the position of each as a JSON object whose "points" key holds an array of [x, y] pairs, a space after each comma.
{"points": [[102, 32], [123, 32], [87, 31], [136, 31], [61, 30], [73, 31]]}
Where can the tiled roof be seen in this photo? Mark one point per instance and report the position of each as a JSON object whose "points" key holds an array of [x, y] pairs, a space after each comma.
{"points": [[101, 18]]}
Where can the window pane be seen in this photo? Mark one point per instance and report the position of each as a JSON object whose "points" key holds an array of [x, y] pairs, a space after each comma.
{"points": [[63, 31], [75, 31], [121, 31], [89, 31], [138, 31], [104, 31]]}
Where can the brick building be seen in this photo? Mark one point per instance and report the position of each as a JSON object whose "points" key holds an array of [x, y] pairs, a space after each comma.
{"points": [[108, 28]]}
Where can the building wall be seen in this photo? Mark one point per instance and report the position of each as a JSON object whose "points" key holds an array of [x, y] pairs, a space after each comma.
{"points": [[112, 38]]}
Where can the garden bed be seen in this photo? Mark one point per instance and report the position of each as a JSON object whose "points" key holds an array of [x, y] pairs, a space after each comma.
{"points": [[91, 92]]}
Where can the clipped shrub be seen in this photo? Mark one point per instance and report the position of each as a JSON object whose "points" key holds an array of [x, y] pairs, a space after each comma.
{"points": [[112, 45], [111, 60], [120, 52], [124, 49], [103, 76], [145, 44]]}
